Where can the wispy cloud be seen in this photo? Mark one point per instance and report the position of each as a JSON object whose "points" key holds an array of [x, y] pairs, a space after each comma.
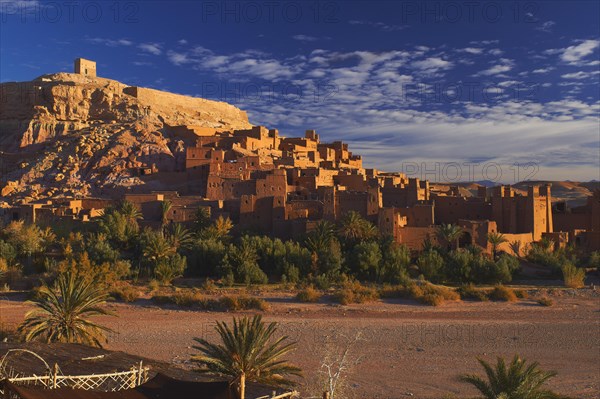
{"points": [[305, 38], [574, 55], [152, 48], [543, 70], [579, 75], [110, 42], [504, 65], [546, 26], [379, 25], [432, 65]]}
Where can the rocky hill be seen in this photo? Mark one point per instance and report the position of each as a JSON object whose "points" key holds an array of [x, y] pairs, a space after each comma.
{"points": [[73, 135]]}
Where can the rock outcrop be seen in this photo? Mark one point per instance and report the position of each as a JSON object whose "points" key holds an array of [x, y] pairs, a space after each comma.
{"points": [[73, 135]]}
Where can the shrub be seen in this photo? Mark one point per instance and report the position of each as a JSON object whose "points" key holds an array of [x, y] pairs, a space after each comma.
{"points": [[242, 302], [365, 260], [168, 268], [521, 294], [594, 260], [437, 295], [189, 299], [242, 262], [186, 299], [471, 292], [545, 301], [431, 265], [502, 293], [126, 293], [309, 294], [153, 285], [395, 291], [355, 292], [104, 274], [394, 263], [573, 276]]}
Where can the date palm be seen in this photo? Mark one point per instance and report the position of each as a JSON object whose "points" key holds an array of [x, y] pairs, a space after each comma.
{"points": [[130, 211], [158, 247], [62, 313], [165, 208], [320, 238], [496, 239], [180, 237], [518, 380], [450, 234], [249, 352], [516, 246]]}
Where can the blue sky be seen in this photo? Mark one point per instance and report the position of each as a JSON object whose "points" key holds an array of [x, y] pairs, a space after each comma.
{"points": [[441, 90]]}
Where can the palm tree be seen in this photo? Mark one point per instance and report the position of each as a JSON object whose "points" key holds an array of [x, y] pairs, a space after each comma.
{"points": [[158, 247], [165, 208], [180, 237], [515, 246], [202, 218], [496, 239], [62, 312], [248, 352], [518, 381], [130, 211], [353, 227], [449, 233], [320, 238]]}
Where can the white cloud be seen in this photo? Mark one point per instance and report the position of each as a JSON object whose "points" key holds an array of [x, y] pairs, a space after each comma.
{"points": [[305, 38], [110, 42], [574, 54], [579, 75], [472, 50], [432, 64], [152, 48], [177, 58], [546, 26], [543, 70], [505, 65], [379, 25]]}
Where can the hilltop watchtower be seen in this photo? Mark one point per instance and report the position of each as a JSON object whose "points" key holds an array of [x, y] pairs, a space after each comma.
{"points": [[85, 67]]}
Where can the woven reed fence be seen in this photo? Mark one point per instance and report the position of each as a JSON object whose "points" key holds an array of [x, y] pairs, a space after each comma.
{"points": [[109, 382]]}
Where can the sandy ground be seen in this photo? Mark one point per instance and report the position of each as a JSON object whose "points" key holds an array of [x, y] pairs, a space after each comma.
{"points": [[403, 350]]}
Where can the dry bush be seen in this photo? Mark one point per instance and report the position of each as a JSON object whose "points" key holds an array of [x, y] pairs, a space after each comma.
{"points": [[355, 292], [125, 293], [545, 301], [502, 293], [189, 299], [395, 291], [521, 294], [471, 292], [309, 294], [153, 285], [436, 295], [574, 277], [242, 302]]}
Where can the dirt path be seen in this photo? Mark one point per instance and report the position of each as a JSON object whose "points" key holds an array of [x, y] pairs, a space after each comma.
{"points": [[404, 350]]}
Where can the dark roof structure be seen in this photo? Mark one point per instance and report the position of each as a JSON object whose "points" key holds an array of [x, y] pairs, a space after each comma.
{"points": [[159, 387], [169, 382]]}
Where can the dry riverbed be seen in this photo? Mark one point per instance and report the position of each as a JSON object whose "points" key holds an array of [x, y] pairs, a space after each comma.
{"points": [[398, 348]]}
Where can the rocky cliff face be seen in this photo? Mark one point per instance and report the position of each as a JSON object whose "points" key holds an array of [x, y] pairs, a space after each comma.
{"points": [[72, 135]]}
